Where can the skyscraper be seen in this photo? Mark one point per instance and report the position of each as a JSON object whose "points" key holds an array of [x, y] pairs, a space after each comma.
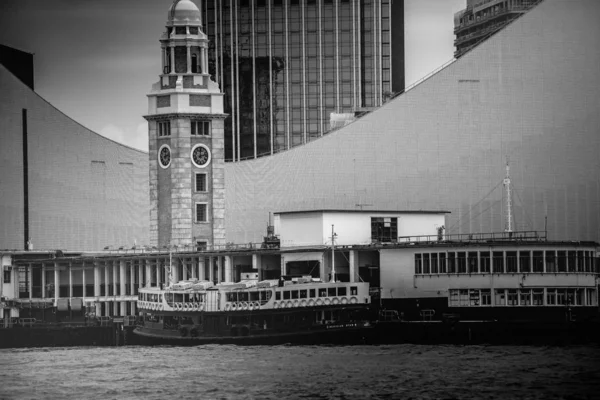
{"points": [[482, 18], [286, 65]]}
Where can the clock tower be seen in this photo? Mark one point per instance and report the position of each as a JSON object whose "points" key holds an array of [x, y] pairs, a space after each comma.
{"points": [[186, 143]]}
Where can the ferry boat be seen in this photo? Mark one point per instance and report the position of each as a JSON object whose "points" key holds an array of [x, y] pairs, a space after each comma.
{"points": [[289, 310]]}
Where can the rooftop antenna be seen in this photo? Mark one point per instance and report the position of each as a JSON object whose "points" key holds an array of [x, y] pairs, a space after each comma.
{"points": [[508, 223]]}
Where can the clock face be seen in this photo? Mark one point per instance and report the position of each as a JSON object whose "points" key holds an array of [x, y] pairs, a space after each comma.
{"points": [[200, 155], [164, 156]]}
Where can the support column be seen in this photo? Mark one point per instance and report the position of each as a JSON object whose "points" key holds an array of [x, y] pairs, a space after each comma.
{"points": [[70, 280], [123, 308], [194, 269], [211, 269], [30, 273], [163, 51], [354, 266], [122, 278], [115, 280], [148, 273], [256, 264], [106, 282], [322, 273], [56, 282], [98, 306], [158, 273], [84, 292], [96, 281], [283, 269], [132, 308], [43, 280], [184, 270], [201, 269], [141, 267], [172, 71], [228, 265], [189, 59], [219, 269], [132, 279]]}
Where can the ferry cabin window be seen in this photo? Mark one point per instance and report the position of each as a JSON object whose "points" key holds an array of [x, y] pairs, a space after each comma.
{"points": [[303, 294], [525, 298], [342, 291], [312, 293], [512, 297], [472, 262], [551, 261], [294, 294], [253, 296], [322, 292], [538, 261], [277, 295], [418, 264], [384, 229], [572, 261], [498, 261], [442, 263], [426, 263], [331, 292], [511, 261], [451, 263], [353, 290], [486, 297], [286, 295], [580, 262], [434, 263], [500, 297], [463, 297], [453, 298], [474, 297], [537, 298], [524, 261], [484, 262], [590, 297], [551, 297], [462, 262], [561, 259]]}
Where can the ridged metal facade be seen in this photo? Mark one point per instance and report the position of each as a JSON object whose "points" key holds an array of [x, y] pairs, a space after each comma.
{"points": [[285, 65], [529, 94], [85, 191]]}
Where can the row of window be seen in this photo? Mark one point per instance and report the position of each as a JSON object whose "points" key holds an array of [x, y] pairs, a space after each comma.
{"points": [[197, 128], [522, 297], [312, 293], [500, 262]]}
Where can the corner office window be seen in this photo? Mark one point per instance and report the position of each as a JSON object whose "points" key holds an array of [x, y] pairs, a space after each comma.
{"points": [[164, 128], [200, 128], [201, 183], [384, 229], [6, 275], [201, 212]]}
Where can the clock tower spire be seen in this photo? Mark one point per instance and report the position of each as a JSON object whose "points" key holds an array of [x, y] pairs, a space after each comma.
{"points": [[186, 144]]}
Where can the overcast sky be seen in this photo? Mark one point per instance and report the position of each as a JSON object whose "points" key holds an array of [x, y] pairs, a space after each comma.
{"points": [[95, 60]]}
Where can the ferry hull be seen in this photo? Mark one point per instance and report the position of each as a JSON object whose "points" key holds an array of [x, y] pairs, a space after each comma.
{"points": [[344, 336]]}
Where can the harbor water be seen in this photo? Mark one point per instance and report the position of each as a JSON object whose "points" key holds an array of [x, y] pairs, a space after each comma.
{"points": [[301, 372]]}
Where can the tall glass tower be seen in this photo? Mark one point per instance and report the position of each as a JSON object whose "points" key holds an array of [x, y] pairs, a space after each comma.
{"points": [[286, 65]]}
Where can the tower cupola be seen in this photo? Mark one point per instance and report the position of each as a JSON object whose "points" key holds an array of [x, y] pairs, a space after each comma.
{"points": [[184, 12]]}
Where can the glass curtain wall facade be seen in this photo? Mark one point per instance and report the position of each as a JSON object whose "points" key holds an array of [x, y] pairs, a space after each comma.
{"points": [[286, 65]]}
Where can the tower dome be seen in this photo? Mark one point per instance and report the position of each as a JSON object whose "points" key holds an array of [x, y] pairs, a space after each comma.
{"points": [[184, 12]]}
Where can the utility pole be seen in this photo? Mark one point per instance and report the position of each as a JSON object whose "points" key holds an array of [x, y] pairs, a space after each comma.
{"points": [[333, 236], [508, 223]]}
